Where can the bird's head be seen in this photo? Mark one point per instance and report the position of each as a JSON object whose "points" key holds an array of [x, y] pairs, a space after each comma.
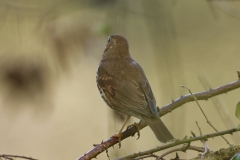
{"points": [[117, 46]]}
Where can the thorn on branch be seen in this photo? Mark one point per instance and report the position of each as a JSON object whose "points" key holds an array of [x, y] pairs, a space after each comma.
{"points": [[177, 157], [238, 72], [193, 134], [107, 154], [185, 147]]}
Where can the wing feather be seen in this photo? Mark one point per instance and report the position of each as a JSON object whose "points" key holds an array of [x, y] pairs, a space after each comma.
{"points": [[136, 97]]}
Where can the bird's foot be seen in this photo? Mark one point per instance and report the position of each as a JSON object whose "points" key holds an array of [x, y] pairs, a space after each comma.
{"points": [[137, 125], [119, 137]]}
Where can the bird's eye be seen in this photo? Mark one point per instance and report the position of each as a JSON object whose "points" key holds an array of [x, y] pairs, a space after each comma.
{"points": [[109, 39]]}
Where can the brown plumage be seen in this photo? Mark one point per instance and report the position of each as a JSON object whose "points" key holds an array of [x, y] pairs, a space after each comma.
{"points": [[125, 88]]}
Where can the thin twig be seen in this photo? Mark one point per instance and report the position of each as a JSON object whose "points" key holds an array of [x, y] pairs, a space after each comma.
{"points": [[205, 114], [206, 147], [220, 107], [181, 149], [196, 102], [200, 96], [200, 131], [146, 156], [192, 139], [11, 157]]}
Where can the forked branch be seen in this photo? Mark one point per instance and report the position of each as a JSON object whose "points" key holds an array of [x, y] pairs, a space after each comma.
{"points": [[164, 110]]}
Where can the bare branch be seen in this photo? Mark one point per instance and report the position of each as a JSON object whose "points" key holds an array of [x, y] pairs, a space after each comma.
{"points": [[200, 96], [166, 109], [181, 149], [11, 157], [146, 156], [230, 131]]}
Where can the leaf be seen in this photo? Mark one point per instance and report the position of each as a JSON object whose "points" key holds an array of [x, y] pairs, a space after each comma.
{"points": [[237, 112], [238, 127]]}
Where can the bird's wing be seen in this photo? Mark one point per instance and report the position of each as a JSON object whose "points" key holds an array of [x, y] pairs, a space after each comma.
{"points": [[149, 96], [135, 96]]}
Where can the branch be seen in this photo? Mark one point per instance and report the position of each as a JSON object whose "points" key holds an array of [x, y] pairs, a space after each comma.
{"points": [[205, 117], [180, 149], [189, 140], [200, 96], [166, 109], [11, 157]]}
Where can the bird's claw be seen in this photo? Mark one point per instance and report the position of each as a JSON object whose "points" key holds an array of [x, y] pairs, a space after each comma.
{"points": [[119, 137], [137, 126]]}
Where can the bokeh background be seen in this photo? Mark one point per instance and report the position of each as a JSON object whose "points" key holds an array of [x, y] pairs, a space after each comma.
{"points": [[50, 107]]}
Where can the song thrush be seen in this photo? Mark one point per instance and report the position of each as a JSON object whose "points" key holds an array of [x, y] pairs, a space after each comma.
{"points": [[125, 88]]}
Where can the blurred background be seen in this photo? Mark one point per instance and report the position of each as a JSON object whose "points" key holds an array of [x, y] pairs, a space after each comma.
{"points": [[50, 107]]}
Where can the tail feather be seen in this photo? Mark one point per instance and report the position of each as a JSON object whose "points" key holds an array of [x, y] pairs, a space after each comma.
{"points": [[159, 129]]}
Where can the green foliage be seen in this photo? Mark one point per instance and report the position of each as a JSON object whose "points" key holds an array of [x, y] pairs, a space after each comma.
{"points": [[236, 157], [237, 112], [105, 29]]}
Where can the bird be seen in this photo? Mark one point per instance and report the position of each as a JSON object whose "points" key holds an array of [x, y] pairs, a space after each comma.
{"points": [[124, 87]]}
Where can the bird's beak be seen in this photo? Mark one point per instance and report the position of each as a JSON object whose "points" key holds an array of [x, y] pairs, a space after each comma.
{"points": [[106, 49]]}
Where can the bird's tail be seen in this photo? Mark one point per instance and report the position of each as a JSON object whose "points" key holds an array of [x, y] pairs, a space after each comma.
{"points": [[159, 129]]}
